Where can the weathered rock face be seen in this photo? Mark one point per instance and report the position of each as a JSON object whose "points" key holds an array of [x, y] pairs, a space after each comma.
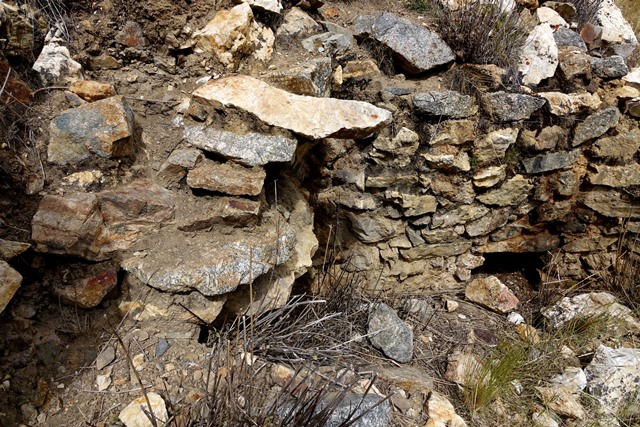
{"points": [[103, 128], [509, 107], [417, 48], [445, 103], [315, 118]]}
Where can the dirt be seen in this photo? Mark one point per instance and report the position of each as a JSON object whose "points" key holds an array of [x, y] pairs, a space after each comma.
{"points": [[48, 349]]}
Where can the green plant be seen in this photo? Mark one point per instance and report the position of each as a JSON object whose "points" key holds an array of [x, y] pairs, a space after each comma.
{"points": [[419, 5], [482, 32]]}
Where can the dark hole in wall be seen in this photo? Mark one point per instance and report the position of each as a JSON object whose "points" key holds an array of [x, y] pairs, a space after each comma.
{"points": [[527, 264]]}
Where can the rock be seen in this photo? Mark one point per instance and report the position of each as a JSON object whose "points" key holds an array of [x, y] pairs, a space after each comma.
{"points": [[455, 188], [269, 5], [88, 292], [135, 414], [436, 250], [462, 367], [330, 43], [54, 64], [454, 132], [527, 333], [207, 212], [565, 37], [539, 57], [544, 418], [177, 165], [596, 125], [610, 67], [390, 334], [612, 376], [627, 93], [616, 176], [250, 149], [549, 16], [632, 107], [491, 293], [572, 378], [103, 381], [562, 104], [315, 118], [10, 281], [460, 215], [372, 412], [103, 62], [562, 402], [10, 249], [131, 35], [589, 305], [551, 161], [510, 107], [511, 193], [417, 49], [414, 205], [439, 236], [404, 144], [488, 223], [540, 242], [91, 90], [494, 145], [103, 128], [548, 138], [633, 78], [372, 228], [15, 90], [442, 413], [448, 158], [446, 103], [617, 148], [488, 177], [564, 9], [222, 262], [348, 198], [360, 70], [297, 24], [106, 356], [611, 203], [20, 25], [617, 32], [227, 178], [312, 78], [574, 62]]}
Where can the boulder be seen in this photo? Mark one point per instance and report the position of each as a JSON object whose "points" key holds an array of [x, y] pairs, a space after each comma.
{"points": [[10, 281], [103, 128], [565, 37], [562, 104], [491, 293], [312, 78], [54, 64], [315, 118], [446, 103], [610, 67], [539, 57], [596, 125], [249, 149], [416, 48], [509, 107], [227, 178], [388, 333]]}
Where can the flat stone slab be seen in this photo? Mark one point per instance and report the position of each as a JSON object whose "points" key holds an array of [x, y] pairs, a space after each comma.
{"points": [[228, 178], [213, 263], [551, 161], [313, 118], [418, 49], [250, 149]]}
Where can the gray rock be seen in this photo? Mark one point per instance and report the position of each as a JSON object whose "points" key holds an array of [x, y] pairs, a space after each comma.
{"points": [[611, 203], [509, 107], [105, 357], [162, 347], [511, 193], [417, 49], [388, 333], [376, 414], [596, 125], [446, 103], [611, 67], [176, 166], [250, 149], [372, 228], [436, 250], [460, 215], [488, 223], [551, 161], [102, 128], [329, 43], [616, 176], [619, 148], [567, 37], [297, 24], [221, 262]]}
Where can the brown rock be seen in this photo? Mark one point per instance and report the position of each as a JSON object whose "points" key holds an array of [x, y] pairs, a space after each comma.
{"points": [[228, 178], [10, 281], [541, 242], [88, 292], [14, 89], [491, 293], [91, 90], [10, 249], [221, 210], [131, 35]]}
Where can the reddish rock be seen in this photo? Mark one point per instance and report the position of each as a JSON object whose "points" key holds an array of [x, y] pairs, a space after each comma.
{"points": [[131, 35], [91, 90], [491, 293], [222, 210], [15, 90], [88, 292]]}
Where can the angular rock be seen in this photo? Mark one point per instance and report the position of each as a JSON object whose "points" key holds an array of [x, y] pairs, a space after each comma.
{"points": [[511, 193], [619, 148], [460, 215], [250, 149], [54, 64], [372, 228], [610, 67], [488, 177], [562, 104], [455, 188], [106, 356], [567, 37], [461, 367], [488, 223], [91, 90], [177, 165], [589, 305], [510, 107], [454, 132], [227, 178], [414, 205], [315, 118], [439, 235], [348, 198], [10, 281], [491, 293], [442, 413], [297, 24], [611, 203], [574, 62], [15, 90], [417, 49], [88, 292], [436, 250], [539, 57], [131, 35], [135, 414], [373, 409], [494, 145], [613, 376], [549, 16], [311, 78], [388, 333], [360, 70], [596, 125], [103, 128], [541, 242], [222, 262], [548, 138], [617, 31], [633, 78], [616, 176], [19, 27], [404, 144], [330, 43], [10, 249], [562, 402], [448, 158], [446, 103], [234, 211], [269, 5], [551, 161]]}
